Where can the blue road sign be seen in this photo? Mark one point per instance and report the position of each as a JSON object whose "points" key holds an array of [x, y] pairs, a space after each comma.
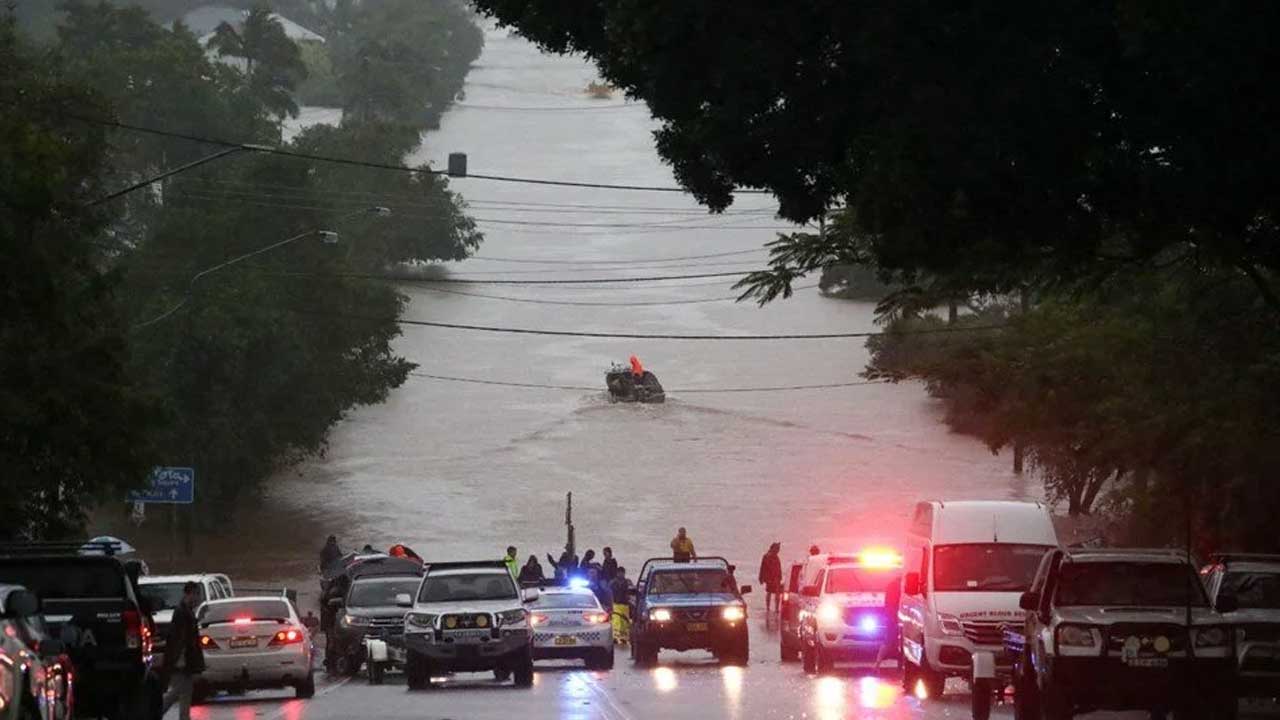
{"points": [[169, 485]]}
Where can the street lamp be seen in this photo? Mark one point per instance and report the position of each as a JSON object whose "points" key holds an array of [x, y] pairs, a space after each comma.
{"points": [[328, 237]]}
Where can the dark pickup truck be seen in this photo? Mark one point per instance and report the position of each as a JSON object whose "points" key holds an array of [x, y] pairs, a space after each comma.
{"points": [[687, 606], [90, 604]]}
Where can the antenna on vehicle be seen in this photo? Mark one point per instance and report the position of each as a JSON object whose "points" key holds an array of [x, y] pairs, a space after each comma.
{"points": [[995, 529]]}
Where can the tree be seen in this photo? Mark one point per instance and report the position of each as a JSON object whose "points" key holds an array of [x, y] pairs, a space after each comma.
{"points": [[74, 426], [273, 63], [1045, 141]]}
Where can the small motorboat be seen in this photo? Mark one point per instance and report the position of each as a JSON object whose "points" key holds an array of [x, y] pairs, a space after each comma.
{"points": [[633, 384]]}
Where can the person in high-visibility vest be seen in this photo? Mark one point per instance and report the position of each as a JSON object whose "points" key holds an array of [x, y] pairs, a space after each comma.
{"points": [[621, 606], [682, 547], [512, 563]]}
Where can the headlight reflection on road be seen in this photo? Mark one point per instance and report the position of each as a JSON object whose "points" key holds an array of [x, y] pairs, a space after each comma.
{"points": [[732, 676], [876, 694], [664, 679], [830, 699], [575, 697]]}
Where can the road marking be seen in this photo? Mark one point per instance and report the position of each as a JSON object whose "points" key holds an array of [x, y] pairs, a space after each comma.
{"points": [[605, 696], [319, 694]]}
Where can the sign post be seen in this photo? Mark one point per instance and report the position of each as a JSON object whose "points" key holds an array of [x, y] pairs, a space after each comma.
{"points": [[169, 486]]}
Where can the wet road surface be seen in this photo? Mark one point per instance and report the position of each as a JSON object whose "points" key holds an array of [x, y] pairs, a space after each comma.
{"points": [[684, 686]]}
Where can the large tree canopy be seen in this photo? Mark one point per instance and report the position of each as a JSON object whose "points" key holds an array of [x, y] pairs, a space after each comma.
{"points": [[1045, 140]]}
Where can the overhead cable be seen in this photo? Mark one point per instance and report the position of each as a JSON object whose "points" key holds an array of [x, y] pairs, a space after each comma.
{"points": [[686, 391], [596, 303]]}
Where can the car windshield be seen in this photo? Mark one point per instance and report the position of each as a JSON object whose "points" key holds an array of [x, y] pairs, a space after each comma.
{"points": [[467, 587], [1254, 590], [53, 580], [252, 609], [381, 591], [567, 601], [851, 580], [985, 567], [1129, 584], [165, 596], [690, 581]]}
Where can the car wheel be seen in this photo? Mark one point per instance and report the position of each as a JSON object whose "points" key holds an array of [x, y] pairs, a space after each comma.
{"points": [[823, 660], [1026, 695], [1054, 704], [307, 688], [375, 672], [810, 658], [646, 655], [502, 674], [523, 669], [935, 683], [601, 660], [417, 671], [982, 692], [908, 677]]}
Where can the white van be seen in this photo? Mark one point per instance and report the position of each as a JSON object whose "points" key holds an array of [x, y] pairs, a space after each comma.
{"points": [[967, 563]]}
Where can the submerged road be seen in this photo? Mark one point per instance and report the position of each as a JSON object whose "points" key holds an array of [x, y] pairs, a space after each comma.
{"points": [[684, 686]]}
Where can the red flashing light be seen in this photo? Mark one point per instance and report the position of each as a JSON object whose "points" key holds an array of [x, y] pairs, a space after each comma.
{"points": [[133, 629], [880, 558], [242, 620], [537, 619]]}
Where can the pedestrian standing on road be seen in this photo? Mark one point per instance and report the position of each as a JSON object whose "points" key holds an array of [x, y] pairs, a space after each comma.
{"points": [[600, 588], [621, 609], [183, 656], [682, 547], [771, 576], [329, 553], [608, 568], [531, 573], [512, 563]]}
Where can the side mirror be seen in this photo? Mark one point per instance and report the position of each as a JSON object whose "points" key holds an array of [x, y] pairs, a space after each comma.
{"points": [[911, 583], [744, 590], [1029, 601], [809, 591], [21, 604], [336, 602], [1227, 603], [404, 600], [530, 595]]}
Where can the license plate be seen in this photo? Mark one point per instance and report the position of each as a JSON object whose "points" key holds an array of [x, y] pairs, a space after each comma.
{"points": [[466, 634], [566, 640], [244, 642], [697, 627], [1143, 662]]}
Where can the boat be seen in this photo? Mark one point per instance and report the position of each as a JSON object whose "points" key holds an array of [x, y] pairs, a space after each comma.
{"points": [[633, 384]]}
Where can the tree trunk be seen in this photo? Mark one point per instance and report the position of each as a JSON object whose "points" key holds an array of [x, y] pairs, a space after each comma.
{"points": [[1018, 452], [953, 311]]}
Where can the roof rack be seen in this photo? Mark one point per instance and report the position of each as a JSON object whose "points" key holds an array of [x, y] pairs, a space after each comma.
{"points": [[668, 559], [1180, 553], [80, 548], [1230, 557], [465, 565]]}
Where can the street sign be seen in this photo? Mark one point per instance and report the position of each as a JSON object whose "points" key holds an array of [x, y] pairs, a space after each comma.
{"points": [[169, 485]]}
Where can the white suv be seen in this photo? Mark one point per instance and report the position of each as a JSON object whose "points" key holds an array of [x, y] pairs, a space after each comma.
{"points": [[468, 617], [850, 611]]}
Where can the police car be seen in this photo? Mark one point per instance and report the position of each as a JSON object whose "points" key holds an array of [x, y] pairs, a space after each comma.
{"points": [[847, 608], [569, 624]]}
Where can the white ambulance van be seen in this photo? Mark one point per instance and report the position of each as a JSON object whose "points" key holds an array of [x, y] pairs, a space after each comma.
{"points": [[967, 563]]}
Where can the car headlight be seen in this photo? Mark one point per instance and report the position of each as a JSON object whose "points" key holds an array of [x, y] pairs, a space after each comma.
{"points": [[950, 625], [1211, 637], [355, 620], [828, 612], [1078, 640], [422, 620], [734, 613], [660, 615], [511, 617]]}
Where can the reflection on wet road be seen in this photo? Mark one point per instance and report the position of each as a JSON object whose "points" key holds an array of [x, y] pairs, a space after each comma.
{"points": [[685, 686]]}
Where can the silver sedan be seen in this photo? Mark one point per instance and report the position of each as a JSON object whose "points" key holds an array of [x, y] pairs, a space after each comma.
{"points": [[569, 624]]}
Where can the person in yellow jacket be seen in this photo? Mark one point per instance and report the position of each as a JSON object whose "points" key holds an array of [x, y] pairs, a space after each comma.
{"points": [[682, 547], [512, 563]]}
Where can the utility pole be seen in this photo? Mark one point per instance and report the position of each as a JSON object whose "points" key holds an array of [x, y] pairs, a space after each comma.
{"points": [[570, 542]]}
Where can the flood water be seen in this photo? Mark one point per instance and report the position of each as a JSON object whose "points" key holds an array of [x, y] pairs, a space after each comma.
{"points": [[461, 470]]}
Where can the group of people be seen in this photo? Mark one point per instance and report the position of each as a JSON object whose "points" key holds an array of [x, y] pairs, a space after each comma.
{"points": [[771, 575], [606, 579]]}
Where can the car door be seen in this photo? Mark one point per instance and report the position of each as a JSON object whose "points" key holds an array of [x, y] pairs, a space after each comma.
{"points": [[791, 604]]}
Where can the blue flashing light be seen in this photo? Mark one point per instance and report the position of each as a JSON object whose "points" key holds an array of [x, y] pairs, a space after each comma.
{"points": [[869, 624], [579, 582]]}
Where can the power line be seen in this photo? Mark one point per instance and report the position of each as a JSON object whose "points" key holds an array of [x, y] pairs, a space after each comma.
{"points": [[654, 336], [546, 386], [550, 108], [283, 152], [565, 281], [628, 263], [601, 303]]}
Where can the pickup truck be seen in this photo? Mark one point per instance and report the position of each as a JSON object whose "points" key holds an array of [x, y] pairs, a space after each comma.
{"points": [[688, 606], [90, 604], [1121, 630]]}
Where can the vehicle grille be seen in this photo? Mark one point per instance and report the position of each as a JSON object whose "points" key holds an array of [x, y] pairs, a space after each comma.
{"points": [[985, 632], [692, 614], [466, 621], [1118, 634], [1259, 632]]}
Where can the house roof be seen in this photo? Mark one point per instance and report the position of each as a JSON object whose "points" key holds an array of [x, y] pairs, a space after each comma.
{"points": [[205, 19]]}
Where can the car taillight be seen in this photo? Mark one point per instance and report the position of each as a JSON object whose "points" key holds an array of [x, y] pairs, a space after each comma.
{"points": [[208, 643], [132, 629], [596, 618], [537, 619], [287, 637]]}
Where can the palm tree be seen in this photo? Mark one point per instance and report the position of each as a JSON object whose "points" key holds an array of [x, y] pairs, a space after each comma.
{"points": [[273, 63]]}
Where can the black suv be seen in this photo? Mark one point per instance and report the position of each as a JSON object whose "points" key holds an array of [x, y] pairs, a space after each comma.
{"points": [[90, 602], [1121, 630], [688, 606]]}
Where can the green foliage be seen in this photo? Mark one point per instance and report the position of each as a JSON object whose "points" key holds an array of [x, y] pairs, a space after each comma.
{"points": [[1158, 391], [321, 86], [74, 426], [1033, 142], [273, 64]]}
